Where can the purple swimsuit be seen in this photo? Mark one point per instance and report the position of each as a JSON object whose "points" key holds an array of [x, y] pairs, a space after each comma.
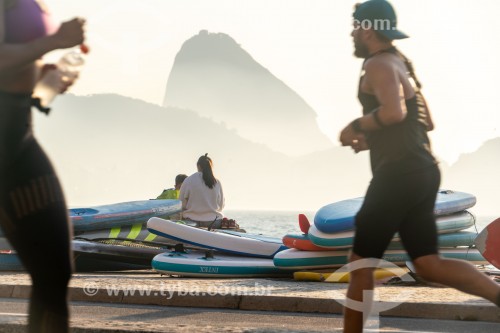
{"points": [[27, 20]]}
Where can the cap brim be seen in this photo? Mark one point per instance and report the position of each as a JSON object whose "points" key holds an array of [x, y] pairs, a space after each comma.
{"points": [[393, 34]]}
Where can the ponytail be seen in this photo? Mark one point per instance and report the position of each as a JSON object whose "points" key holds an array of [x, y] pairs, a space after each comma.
{"points": [[205, 164], [409, 68]]}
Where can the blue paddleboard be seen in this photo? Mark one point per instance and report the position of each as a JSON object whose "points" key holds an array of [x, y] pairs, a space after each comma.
{"points": [[445, 225], [122, 214], [340, 216], [10, 262]]}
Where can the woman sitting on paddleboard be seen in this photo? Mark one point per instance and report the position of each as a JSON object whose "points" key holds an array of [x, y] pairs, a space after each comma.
{"points": [[202, 196]]}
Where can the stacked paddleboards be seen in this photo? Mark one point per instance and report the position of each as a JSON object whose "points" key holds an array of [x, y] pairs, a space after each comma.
{"points": [[115, 237], [325, 244], [110, 237], [227, 253]]}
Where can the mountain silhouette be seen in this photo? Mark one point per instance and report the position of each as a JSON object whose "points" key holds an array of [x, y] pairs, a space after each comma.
{"points": [[478, 173], [215, 77], [110, 148]]}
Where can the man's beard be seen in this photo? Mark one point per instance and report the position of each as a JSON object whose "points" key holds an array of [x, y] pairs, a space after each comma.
{"points": [[360, 50]]}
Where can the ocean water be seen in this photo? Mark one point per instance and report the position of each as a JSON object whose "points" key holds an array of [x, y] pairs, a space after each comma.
{"points": [[268, 223], [280, 223]]}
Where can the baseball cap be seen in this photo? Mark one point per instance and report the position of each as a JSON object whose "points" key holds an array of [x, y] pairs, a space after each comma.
{"points": [[381, 16]]}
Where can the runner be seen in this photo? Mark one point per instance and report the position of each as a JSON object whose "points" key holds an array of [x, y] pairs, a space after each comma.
{"points": [[406, 178], [33, 213]]}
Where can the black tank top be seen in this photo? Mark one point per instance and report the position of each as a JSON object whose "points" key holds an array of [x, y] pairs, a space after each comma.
{"points": [[403, 147]]}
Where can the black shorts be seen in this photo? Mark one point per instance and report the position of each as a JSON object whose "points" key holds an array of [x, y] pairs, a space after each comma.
{"points": [[399, 203]]}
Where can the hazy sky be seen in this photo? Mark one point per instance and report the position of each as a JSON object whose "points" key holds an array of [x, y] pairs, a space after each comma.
{"points": [[307, 44]]}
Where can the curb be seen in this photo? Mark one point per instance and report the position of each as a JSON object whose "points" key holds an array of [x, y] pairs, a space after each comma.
{"points": [[441, 311]]}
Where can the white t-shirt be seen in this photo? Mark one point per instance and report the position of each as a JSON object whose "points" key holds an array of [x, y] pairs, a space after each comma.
{"points": [[200, 203]]}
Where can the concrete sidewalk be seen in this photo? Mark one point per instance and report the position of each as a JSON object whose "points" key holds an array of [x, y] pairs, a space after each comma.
{"points": [[149, 288], [18, 324]]}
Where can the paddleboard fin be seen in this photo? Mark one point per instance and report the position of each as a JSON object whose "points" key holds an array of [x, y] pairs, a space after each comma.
{"points": [[304, 223], [209, 254], [179, 248]]}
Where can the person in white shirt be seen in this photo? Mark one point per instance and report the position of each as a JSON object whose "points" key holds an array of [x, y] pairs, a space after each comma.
{"points": [[202, 196]]}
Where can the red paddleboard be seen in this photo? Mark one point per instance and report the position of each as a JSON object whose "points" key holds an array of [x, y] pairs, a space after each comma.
{"points": [[304, 223], [488, 243], [302, 242]]}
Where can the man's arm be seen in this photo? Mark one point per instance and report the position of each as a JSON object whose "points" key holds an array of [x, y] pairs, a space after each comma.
{"points": [[384, 81]]}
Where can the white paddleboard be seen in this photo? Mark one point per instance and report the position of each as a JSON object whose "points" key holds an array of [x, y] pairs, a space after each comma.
{"points": [[198, 264], [242, 244]]}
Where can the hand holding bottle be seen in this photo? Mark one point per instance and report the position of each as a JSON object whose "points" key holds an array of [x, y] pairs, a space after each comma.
{"points": [[56, 79]]}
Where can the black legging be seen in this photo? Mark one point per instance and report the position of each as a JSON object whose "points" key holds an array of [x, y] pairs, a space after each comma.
{"points": [[33, 215]]}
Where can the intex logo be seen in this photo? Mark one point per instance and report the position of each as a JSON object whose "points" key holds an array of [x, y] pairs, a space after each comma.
{"points": [[207, 269]]}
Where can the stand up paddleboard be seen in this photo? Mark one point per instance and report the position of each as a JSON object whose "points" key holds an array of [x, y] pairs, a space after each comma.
{"points": [[302, 242], [121, 214], [5, 244], [207, 264], [135, 232], [130, 253], [316, 240], [339, 216], [445, 224], [10, 262], [333, 277], [92, 256], [296, 260], [230, 242], [488, 243]]}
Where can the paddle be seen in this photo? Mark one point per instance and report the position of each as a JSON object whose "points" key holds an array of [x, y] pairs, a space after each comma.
{"points": [[304, 223], [488, 243]]}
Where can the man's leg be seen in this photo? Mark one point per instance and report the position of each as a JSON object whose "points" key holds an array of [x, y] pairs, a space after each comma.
{"points": [[458, 274], [376, 223], [359, 281]]}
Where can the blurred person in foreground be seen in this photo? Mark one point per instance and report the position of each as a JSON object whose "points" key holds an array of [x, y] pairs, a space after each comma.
{"points": [[33, 213]]}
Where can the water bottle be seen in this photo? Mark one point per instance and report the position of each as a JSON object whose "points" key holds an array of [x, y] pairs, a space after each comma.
{"points": [[54, 81]]}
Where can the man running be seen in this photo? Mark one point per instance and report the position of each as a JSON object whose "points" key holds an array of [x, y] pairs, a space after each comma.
{"points": [[406, 178]]}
